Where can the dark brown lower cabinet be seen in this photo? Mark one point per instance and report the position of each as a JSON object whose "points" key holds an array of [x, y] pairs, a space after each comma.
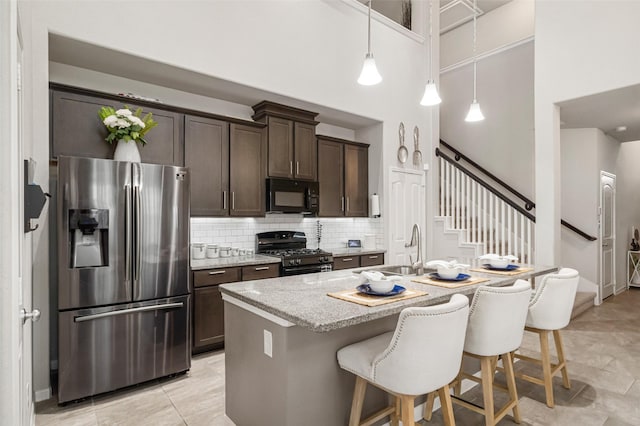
{"points": [[208, 318], [357, 261], [208, 307]]}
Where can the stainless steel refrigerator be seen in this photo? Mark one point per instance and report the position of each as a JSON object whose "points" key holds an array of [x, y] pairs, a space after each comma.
{"points": [[123, 274]]}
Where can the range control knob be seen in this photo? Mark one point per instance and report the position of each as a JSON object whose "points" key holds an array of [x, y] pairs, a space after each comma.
{"points": [[292, 262], [298, 261]]}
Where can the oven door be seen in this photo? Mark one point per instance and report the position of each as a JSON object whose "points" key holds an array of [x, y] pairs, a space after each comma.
{"points": [[306, 269]]}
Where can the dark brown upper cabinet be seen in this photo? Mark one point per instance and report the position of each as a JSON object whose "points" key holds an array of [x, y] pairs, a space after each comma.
{"points": [[227, 167], [291, 140], [76, 129], [343, 177], [206, 153], [247, 154]]}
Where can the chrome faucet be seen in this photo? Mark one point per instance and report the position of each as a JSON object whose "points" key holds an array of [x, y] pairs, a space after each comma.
{"points": [[416, 241]]}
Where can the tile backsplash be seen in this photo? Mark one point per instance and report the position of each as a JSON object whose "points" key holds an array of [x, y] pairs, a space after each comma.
{"points": [[241, 232]]}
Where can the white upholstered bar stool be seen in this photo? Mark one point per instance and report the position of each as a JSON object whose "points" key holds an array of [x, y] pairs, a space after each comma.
{"points": [[549, 311], [422, 355], [496, 327]]}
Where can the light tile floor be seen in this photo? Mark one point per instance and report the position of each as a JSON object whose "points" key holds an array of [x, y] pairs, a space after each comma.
{"points": [[602, 346]]}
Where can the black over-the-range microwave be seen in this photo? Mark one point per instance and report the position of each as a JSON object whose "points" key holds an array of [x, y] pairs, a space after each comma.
{"points": [[292, 196]]}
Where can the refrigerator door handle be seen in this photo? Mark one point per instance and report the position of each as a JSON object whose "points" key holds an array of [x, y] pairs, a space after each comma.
{"points": [[137, 239], [128, 311], [127, 232]]}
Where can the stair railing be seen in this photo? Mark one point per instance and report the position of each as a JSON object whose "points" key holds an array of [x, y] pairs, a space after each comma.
{"points": [[529, 205], [485, 215]]}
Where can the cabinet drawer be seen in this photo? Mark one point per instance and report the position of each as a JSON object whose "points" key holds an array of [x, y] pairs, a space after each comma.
{"points": [[372, 259], [346, 262], [258, 272], [215, 276]]}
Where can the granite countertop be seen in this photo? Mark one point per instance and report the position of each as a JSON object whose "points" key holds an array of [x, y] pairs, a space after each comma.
{"points": [[355, 251], [303, 301], [226, 262]]}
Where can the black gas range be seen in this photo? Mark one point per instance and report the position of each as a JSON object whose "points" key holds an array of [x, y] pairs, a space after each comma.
{"points": [[291, 248]]}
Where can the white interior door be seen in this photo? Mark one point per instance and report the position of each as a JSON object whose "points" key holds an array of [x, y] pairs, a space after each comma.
{"points": [[607, 234], [16, 405], [407, 195]]}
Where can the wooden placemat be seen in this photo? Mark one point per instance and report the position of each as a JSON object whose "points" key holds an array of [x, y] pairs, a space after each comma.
{"points": [[368, 300], [450, 284], [507, 273]]}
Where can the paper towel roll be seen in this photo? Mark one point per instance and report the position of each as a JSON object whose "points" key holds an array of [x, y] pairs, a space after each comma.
{"points": [[375, 205]]}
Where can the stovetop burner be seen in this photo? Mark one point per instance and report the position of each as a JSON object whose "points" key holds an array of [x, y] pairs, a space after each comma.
{"points": [[296, 252]]}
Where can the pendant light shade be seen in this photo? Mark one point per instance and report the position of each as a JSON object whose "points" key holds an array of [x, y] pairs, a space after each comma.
{"points": [[369, 74], [474, 114], [430, 96]]}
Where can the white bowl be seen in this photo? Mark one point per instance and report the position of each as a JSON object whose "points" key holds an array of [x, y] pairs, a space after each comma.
{"points": [[383, 285], [499, 263], [448, 273]]}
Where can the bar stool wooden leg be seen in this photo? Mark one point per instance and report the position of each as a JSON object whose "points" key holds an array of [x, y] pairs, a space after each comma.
{"points": [[358, 399], [407, 410], [546, 367], [561, 361], [428, 405], [457, 388], [487, 390], [447, 407], [395, 416], [507, 361]]}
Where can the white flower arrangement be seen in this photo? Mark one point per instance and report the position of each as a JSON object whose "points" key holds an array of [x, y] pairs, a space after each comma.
{"points": [[126, 125]]}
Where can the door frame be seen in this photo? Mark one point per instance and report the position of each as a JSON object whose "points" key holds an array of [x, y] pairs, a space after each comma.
{"points": [[600, 236], [11, 225]]}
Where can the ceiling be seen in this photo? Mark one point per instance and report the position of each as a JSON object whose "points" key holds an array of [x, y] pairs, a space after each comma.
{"points": [[454, 13], [605, 111]]}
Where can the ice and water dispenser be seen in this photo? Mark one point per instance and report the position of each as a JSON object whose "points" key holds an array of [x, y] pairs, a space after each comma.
{"points": [[89, 237]]}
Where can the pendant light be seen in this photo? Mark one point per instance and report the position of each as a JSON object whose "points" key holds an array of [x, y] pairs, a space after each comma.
{"points": [[474, 114], [369, 75], [430, 96]]}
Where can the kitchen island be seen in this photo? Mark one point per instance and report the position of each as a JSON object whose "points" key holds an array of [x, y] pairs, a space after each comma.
{"points": [[282, 335]]}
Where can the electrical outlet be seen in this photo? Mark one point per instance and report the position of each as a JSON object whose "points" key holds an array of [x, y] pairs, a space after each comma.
{"points": [[268, 344]]}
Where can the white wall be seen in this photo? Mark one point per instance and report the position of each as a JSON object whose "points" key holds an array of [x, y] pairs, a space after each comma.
{"points": [[503, 142], [581, 48], [585, 152], [505, 25], [311, 51]]}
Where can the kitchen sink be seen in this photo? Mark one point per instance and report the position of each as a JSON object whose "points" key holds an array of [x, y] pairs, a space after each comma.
{"points": [[394, 270]]}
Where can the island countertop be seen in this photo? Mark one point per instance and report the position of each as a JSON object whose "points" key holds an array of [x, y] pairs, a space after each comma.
{"points": [[303, 301]]}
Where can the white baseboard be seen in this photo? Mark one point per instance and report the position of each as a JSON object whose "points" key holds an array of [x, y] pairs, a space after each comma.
{"points": [[43, 394]]}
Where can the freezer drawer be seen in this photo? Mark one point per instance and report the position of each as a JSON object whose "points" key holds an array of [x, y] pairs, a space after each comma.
{"points": [[107, 348]]}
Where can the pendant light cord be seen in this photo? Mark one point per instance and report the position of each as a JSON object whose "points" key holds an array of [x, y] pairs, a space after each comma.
{"points": [[475, 14], [369, 31], [430, 40]]}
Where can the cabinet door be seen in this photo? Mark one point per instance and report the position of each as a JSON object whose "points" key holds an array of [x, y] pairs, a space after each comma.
{"points": [[305, 149], [280, 148], [208, 317], [259, 272], [76, 130], [206, 153], [330, 178], [356, 180], [372, 259], [247, 171], [346, 262]]}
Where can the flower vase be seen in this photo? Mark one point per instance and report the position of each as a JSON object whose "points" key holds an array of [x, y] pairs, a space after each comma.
{"points": [[127, 151]]}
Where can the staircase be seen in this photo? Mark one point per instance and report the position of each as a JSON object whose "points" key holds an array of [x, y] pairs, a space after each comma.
{"points": [[475, 218]]}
